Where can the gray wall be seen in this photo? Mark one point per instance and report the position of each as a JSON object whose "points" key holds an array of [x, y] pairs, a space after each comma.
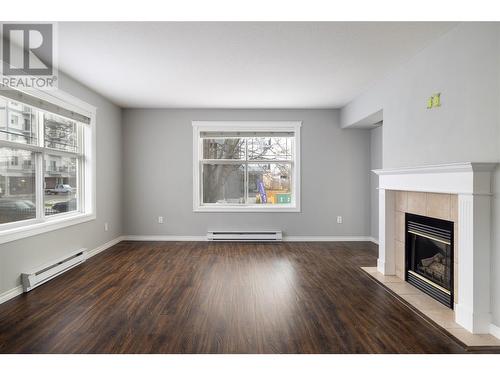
{"points": [[158, 175], [464, 65], [20, 255], [375, 163]]}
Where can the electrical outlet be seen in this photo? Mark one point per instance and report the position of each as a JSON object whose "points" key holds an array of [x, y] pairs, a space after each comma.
{"points": [[160, 219], [106, 227], [339, 219]]}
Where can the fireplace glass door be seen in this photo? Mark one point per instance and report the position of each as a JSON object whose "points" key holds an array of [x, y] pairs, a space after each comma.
{"points": [[429, 256]]}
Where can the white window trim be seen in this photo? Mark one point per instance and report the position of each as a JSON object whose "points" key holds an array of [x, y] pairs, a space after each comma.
{"points": [[33, 227], [202, 126]]}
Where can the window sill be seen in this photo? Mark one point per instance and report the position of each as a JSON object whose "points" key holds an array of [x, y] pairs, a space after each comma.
{"points": [[243, 208], [51, 224]]}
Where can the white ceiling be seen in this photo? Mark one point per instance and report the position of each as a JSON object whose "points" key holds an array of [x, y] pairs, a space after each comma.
{"points": [[237, 65]]}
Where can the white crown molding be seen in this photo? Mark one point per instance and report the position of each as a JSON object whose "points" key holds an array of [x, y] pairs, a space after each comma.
{"points": [[456, 178], [439, 168]]}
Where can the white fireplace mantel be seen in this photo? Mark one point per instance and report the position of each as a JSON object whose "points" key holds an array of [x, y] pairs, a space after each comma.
{"points": [[472, 183]]}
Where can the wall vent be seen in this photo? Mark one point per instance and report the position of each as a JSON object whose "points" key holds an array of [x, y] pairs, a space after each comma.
{"points": [[245, 235], [53, 269]]}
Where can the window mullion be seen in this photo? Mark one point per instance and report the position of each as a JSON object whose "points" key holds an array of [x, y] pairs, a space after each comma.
{"points": [[80, 168], [39, 186], [245, 183], [41, 129], [201, 166], [39, 169]]}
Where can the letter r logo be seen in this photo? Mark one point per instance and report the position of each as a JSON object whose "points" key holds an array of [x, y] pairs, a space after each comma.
{"points": [[27, 49]]}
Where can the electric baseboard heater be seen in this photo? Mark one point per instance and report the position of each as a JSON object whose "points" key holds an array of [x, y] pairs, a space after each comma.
{"points": [[42, 274], [245, 236]]}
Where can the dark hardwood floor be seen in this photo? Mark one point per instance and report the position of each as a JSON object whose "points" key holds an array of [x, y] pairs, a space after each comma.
{"points": [[200, 297]]}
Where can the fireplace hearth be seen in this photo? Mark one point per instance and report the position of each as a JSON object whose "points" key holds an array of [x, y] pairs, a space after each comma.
{"points": [[470, 188], [429, 256]]}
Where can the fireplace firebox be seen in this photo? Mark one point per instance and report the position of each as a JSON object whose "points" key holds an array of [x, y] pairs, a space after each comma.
{"points": [[429, 256]]}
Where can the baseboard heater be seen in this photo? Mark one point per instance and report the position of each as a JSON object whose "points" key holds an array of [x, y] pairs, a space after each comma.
{"points": [[44, 273], [245, 236]]}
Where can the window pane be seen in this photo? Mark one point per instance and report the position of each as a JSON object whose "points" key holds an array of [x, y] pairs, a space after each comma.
{"points": [[269, 148], [60, 133], [17, 185], [223, 183], [269, 183], [224, 148], [60, 182], [18, 122]]}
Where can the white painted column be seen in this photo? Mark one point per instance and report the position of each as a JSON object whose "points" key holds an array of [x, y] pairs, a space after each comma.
{"points": [[474, 244], [385, 262]]}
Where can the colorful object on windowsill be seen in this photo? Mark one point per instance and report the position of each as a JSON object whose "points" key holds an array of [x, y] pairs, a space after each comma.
{"points": [[262, 191], [284, 198]]}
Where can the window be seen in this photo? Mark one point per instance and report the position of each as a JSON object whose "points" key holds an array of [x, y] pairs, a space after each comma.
{"points": [[46, 165], [246, 166]]}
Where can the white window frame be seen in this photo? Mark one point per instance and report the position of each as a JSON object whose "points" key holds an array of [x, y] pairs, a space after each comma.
{"points": [[87, 175], [243, 126]]}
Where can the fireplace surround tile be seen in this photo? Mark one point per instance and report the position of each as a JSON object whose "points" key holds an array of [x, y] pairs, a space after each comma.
{"points": [[400, 226], [403, 289], [417, 203], [399, 253], [423, 302], [455, 282], [386, 278], [444, 317], [454, 208], [455, 242], [401, 201], [438, 206], [470, 339]]}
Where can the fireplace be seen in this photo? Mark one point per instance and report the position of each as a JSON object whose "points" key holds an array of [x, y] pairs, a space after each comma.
{"points": [[429, 256]]}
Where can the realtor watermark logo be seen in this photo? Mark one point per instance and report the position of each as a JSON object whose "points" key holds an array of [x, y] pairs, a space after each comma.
{"points": [[28, 56]]}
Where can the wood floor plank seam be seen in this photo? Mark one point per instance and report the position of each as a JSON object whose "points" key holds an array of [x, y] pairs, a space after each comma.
{"points": [[206, 297]]}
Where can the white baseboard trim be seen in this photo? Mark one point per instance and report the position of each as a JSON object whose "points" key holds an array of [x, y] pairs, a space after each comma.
{"points": [[14, 292], [325, 238], [285, 238], [374, 240], [9, 294], [163, 238], [105, 246], [495, 330]]}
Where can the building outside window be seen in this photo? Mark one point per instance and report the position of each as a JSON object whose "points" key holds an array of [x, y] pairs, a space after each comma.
{"points": [[246, 166], [44, 165]]}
